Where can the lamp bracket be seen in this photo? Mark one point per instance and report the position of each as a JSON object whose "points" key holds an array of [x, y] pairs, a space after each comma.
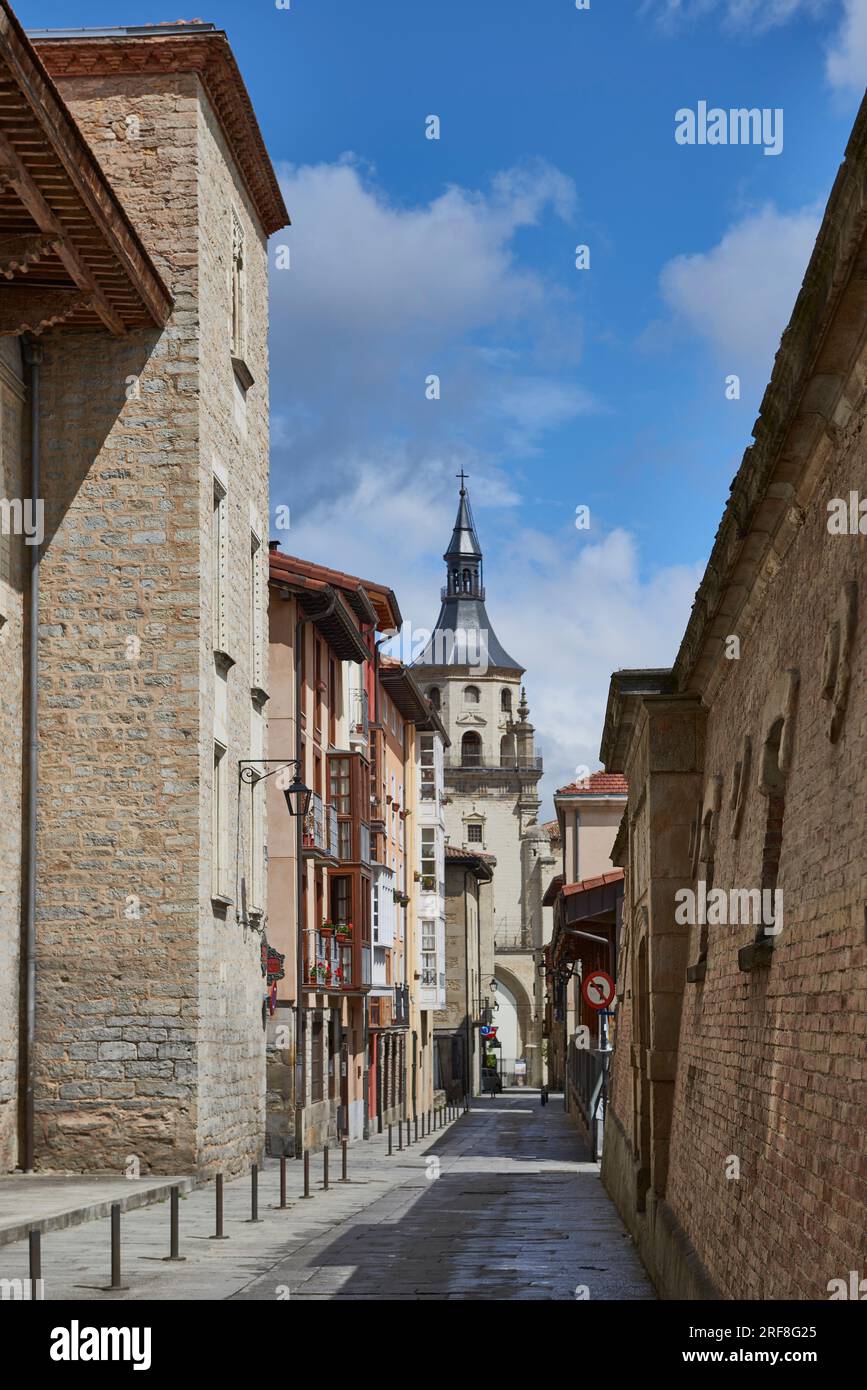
{"points": [[247, 768]]}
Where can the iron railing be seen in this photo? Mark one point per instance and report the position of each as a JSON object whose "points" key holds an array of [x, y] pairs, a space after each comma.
{"points": [[587, 1090]]}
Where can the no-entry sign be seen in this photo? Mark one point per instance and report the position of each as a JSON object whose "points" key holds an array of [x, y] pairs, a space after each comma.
{"points": [[598, 989]]}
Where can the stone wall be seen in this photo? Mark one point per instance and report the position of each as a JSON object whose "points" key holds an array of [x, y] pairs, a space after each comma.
{"points": [[149, 1030], [15, 559]]}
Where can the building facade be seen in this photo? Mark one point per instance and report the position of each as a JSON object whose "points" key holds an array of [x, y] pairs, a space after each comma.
{"points": [[469, 970], [137, 928], [585, 898], [737, 1110], [492, 771]]}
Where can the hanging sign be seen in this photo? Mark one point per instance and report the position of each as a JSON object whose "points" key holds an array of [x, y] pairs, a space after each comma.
{"points": [[598, 989]]}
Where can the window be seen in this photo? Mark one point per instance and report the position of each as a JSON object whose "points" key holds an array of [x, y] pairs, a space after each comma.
{"points": [[508, 756], [256, 812], [428, 860], [474, 833], [332, 701], [466, 583], [376, 911], [341, 899], [219, 565], [471, 695], [427, 764], [434, 697], [218, 824], [506, 701], [341, 798], [471, 750], [257, 614], [239, 288], [317, 683], [429, 953]]}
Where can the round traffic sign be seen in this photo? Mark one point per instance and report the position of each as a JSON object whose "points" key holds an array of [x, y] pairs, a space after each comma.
{"points": [[598, 989]]}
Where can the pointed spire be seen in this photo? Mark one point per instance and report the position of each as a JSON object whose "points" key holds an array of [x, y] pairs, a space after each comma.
{"points": [[464, 542]]}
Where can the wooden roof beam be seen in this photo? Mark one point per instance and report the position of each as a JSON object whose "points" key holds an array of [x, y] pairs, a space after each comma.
{"points": [[14, 175]]}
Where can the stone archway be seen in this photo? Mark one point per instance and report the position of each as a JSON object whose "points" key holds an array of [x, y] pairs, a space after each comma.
{"points": [[517, 980]]}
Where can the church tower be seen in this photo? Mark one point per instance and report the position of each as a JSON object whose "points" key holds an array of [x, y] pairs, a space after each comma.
{"points": [[492, 770]]}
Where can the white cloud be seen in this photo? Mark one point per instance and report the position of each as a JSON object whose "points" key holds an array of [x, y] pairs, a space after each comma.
{"points": [[570, 608], [381, 296], [755, 15], [846, 64], [739, 296]]}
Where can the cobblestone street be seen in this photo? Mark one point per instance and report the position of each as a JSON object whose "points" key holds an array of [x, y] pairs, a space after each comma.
{"points": [[501, 1204]]}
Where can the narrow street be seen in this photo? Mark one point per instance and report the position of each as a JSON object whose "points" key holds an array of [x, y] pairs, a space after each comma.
{"points": [[503, 1206]]}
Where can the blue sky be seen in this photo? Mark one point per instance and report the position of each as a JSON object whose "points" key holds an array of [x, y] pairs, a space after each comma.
{"points": [[559, 387]]}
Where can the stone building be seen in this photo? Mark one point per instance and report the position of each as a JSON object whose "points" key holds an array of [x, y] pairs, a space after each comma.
{"points": [[492, 772], [734, 1138], [145, 199], [469, 968], [321, 625], [584, 898], [352, 984]]}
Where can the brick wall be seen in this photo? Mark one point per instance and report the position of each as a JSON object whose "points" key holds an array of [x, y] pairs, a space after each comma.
{"points": [[772, 1064]]}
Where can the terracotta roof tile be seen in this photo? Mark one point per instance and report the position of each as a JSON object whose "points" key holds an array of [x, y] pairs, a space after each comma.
{"points": [[597, 784]]}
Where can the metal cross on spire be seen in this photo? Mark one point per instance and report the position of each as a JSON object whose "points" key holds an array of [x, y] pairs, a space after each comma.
{"points": [[463, 477]]}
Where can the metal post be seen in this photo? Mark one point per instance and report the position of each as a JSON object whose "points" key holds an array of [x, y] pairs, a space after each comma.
{"points": [[307, 1192], [390, 1150], [35, 1238], [174, 1255], [344, 1162], [218, 1235], [325, 1169], [254, 1195], [408, 1134], [283, 1180], [115, 1246], [400, 1136], [415, 1127]]}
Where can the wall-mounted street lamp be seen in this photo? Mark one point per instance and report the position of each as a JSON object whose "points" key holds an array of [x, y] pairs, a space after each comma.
{"points": [[297, 794]]}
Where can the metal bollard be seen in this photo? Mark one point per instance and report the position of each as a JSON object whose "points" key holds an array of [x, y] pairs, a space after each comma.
{"points": [[218, 1234], [344, 1162], [174, 1255], [408, 1134], [325, 1168], [254, 1196], [390, 1150], [283, 1180], [415, 1124], [115, 1248], [35, 1239], [400, 1136], [307, 1192]]}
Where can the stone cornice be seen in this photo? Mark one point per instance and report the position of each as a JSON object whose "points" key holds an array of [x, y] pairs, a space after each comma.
{"points": [[209, 56], [801, 414]]}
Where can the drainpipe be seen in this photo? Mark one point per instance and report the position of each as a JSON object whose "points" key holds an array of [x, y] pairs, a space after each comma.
{"points": [[33, 359]]}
